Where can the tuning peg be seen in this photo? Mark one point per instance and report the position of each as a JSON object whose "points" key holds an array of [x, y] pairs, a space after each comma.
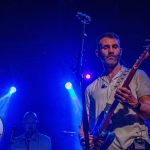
{"points": [[147, 40], [147, 46]]}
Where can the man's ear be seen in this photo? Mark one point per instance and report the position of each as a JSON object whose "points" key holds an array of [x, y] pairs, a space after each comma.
{"points": [[120, 52], [98, 53]]}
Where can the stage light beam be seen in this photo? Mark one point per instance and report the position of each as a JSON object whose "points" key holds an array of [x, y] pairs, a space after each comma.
{"points": [[12, 90]]}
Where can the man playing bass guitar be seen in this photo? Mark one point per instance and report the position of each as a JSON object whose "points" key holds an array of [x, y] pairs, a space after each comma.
{"points": [[127, 130]]}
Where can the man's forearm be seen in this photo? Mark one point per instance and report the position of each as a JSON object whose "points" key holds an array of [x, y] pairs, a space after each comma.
{"points": [[144, 111]]}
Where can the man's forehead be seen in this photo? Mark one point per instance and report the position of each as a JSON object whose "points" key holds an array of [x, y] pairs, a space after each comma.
{"points": [[108, 40]]}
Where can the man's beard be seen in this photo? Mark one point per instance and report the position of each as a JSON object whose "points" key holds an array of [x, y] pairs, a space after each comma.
{"points": [[111, 61]]}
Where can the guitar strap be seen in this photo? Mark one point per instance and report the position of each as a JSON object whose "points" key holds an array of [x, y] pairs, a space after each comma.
{"points": [[118, 83]]}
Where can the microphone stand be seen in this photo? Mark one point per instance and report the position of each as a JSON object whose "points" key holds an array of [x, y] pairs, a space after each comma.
{"points": [[13, 134], [84, 20]]}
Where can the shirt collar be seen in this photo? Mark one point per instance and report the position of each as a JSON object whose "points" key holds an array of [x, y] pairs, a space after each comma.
{"points": [[123, 69], [34, 137]]}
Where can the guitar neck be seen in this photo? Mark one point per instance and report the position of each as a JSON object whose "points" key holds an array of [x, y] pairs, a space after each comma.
{"points": [[129, 77]]}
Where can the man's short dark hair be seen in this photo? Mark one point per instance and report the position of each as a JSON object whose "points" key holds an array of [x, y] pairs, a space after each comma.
{"points": [[30, 113], [109, 35]]}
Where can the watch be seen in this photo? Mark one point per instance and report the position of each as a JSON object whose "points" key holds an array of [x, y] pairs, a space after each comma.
{"points": [[137, 107]]}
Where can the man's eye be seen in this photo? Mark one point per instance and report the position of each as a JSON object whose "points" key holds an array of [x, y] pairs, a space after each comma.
{"points": [[115, 46], [105, 47]]}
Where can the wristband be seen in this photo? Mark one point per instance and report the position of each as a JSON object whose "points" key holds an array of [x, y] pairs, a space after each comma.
{"points": [[137, 107]]}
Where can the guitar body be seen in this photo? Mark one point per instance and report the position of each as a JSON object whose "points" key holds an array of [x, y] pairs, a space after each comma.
{"points": [[99, 143], [105, 138]]}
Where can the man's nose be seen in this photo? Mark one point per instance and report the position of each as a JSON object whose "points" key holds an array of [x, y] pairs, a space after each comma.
{"points": [[110, 50]]}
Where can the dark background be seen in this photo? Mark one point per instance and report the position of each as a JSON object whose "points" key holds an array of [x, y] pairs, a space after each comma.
{"points": [[40, 42]]}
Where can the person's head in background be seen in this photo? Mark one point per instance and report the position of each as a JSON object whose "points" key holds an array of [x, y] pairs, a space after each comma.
{"points": [[30, 121]]}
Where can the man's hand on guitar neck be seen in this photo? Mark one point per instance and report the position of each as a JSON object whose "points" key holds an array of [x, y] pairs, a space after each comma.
{"points": [[82, 142], [125, 96]]}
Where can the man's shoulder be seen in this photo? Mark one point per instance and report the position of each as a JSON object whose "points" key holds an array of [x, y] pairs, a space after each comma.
{"points": [[140, 71], [45, 141], [94, 84], [44, 137], [19, 138], [141, 74]]}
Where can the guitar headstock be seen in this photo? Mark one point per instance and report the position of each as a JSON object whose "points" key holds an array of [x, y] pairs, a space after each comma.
{"points": [[147, 47], [147, 50], [143, 56], [147, 44]]}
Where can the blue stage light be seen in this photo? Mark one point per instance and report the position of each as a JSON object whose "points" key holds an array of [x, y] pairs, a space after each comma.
{"points": [[12, 90], [68, 85]]}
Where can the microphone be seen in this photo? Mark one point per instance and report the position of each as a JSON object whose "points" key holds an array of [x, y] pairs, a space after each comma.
{"points": [[27, 142], [13, 134], [83, 17], [103, 86]]}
